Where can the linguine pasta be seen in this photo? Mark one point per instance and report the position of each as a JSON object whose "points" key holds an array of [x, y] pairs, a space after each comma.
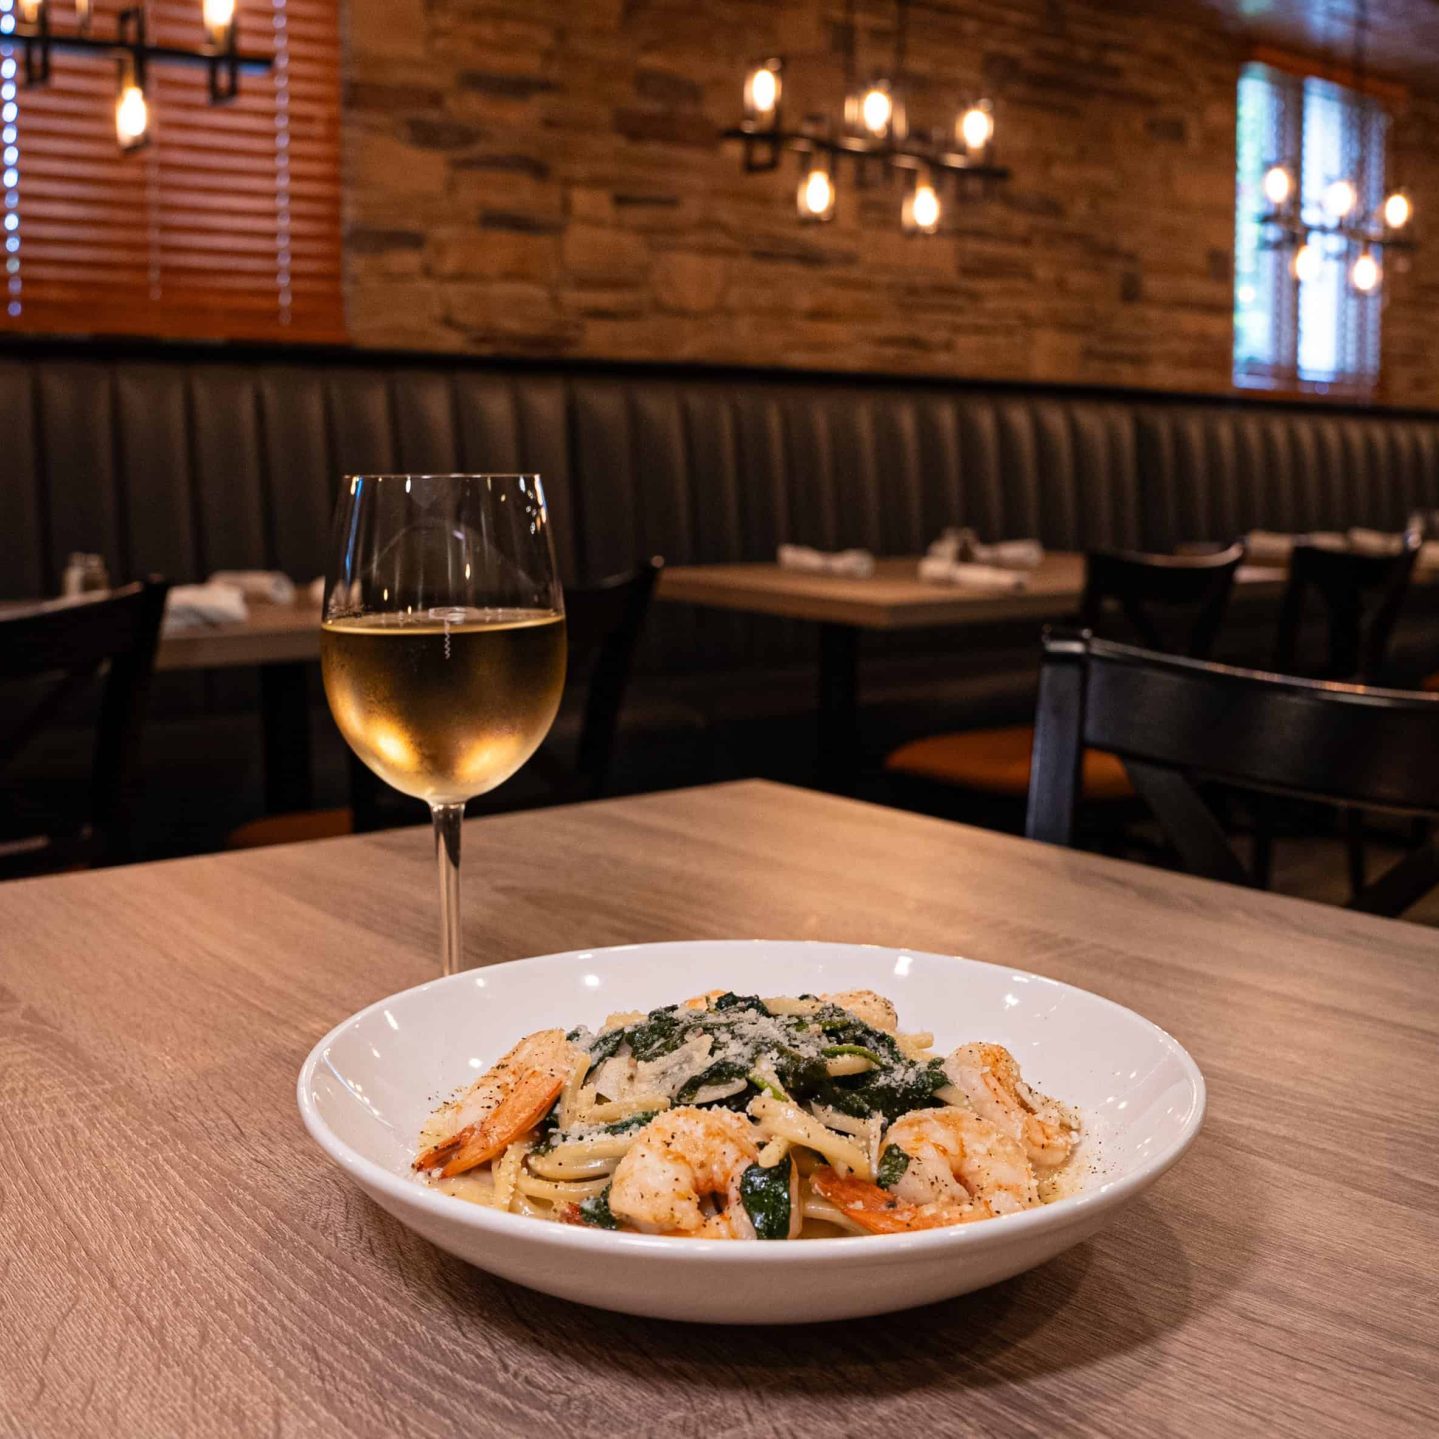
{"points": [[740, 1117]]}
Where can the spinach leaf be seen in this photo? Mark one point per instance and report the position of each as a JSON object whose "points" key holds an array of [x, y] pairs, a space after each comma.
{"points": [[606, 1045], [596, 1210], [661, 1032], [892, 1164], [723, 1071], [750, 1002], [765, 1195], [842, 1027], [546, 1127]]}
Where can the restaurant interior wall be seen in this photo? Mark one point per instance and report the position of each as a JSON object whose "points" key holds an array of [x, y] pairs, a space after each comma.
{"points": [[541, 178]]}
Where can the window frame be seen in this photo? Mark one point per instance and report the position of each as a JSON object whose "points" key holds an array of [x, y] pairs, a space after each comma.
{"points": [[1374, 101]]}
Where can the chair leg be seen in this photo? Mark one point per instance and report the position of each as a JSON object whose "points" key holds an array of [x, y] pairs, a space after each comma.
{"points": [[1354, 844]]}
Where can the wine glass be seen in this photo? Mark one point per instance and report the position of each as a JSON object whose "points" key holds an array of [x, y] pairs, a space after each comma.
{"points": [[443, 642]]}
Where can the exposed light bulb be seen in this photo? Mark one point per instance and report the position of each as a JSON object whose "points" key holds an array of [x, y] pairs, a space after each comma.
{"points": [[1397, 210], [1305, 264], [921, 211], [876, 110], [1365, 274], [762, 88], [1278, 185], [1340, 197], [815, 197], [976, 126], [219, 17], [132, 116]]}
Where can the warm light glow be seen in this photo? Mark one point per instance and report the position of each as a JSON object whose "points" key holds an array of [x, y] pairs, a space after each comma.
{"points": [[816, 194], [132, 115], [1365, 274], [218, 13], [876, 110], [1397, 210], [1305, 264], [30, 11], [1278, 185], [762, 91], [1340, 197], [922, 210], [976, 126], [393, 745]]}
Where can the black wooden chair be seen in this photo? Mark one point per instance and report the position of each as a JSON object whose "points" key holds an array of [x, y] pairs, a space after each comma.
{"points": [[1176, 724], [603, 622], [1359, 595], [51, 658], [1167, 602]]}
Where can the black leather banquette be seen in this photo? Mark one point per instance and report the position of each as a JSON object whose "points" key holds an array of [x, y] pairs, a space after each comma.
{"points": [[183, 459]]}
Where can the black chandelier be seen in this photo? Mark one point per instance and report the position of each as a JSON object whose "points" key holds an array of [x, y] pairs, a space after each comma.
{"points": [[873, 134], [133, 53], [1339, 225]]}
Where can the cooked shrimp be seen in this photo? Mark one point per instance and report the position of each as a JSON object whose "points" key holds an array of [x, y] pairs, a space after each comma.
{"points": [[988, 1076], [957, 1157], [682, 1175], [702, 1001], [873, 1008], [501, 1106], [881, 1211]]}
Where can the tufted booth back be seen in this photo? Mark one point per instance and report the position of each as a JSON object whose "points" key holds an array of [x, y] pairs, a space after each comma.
{"points": [[184, 460]]}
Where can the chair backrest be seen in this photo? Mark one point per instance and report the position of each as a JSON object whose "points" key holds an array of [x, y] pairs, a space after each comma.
{"points": [[604, 622], [1174, 603], [1361, 595], [1172, 721], [60, 648]]}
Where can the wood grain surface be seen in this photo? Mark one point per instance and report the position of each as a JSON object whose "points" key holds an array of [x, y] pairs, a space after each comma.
{"points": [[177, 1258], [894, 597]]}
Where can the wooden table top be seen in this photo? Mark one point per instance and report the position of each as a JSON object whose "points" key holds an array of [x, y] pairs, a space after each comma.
{"points": [[894, 597], [178, 1258], [270, 634]]}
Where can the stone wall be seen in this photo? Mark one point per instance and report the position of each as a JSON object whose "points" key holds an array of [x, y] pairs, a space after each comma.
{"points": [[545, 177]]}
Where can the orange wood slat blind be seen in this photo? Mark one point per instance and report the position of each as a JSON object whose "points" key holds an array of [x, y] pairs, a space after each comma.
{"points": [[227, 225]]}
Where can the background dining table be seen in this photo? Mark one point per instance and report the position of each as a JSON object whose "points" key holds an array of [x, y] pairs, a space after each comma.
{"points": [[842, 607], [178, 1258]]}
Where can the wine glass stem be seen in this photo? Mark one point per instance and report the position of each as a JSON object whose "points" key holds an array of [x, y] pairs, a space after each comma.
{"points": [[447, 818]]}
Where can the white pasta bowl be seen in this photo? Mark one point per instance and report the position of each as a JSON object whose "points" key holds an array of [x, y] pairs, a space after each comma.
{"points": [[367, 1087]]}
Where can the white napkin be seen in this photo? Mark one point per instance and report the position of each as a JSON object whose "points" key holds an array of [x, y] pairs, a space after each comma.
{"points": [[964, 544], [268, 587], [193, 607], [855, 564], [936, 569]]}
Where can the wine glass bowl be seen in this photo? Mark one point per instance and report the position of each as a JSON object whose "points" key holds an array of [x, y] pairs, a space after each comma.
{"points": [[443, 640]]}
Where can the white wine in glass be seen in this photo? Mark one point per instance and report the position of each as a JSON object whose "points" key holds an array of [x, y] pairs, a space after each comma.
{"points": [[443, 642]]}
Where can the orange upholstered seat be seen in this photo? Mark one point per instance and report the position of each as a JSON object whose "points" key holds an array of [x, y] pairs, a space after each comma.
{"points": [[291, 828], [996, 761]]}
